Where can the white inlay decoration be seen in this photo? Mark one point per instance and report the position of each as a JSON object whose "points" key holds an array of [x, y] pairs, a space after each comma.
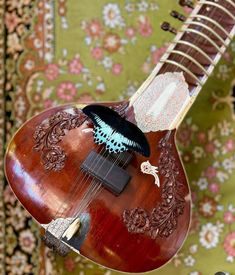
{"points": [[162, 103], [147, 168]]}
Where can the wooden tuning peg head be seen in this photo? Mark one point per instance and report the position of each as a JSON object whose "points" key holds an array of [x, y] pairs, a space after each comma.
{"points": [[186, 3], [167, 27], [178, 16]]}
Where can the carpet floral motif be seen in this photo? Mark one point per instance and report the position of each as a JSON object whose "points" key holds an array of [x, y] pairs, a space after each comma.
{"points": [[69, 51]]}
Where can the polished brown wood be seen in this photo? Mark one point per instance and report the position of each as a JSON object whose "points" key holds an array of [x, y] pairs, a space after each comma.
{"points": [[108, 242]]}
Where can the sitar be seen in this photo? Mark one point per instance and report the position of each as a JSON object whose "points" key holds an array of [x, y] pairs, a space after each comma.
{"points": [[106, 180]]}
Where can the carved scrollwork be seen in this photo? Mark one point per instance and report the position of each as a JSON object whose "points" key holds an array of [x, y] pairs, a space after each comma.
{"points": [[53, 158], [48, 134], [163, 219], [51, 131], [137, 220]]}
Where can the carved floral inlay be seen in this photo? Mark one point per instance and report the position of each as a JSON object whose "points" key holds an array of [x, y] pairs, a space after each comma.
{"points": [[48, 134], [51, 131], [163, 219]]}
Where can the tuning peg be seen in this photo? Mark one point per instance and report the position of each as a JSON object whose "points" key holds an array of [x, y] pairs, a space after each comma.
{"points": [[177, 15], [167, 27], [186, 3]]}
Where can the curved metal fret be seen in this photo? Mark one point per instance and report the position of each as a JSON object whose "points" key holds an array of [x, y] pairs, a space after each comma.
{"points": [[206, 38], [186, 43], [213, 22], [168, 61], [218, 6], [231, 2], [207, 28], [191, 59]]}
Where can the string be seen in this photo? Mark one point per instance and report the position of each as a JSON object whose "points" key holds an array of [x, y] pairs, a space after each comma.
{"points": [[77, 179], [102, 153], [88, 191], [91, 188], [100, 186], [76, 185], [80, 185]]}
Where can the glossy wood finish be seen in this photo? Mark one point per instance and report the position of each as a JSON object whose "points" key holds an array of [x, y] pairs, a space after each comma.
{"points": [[108, 241]]}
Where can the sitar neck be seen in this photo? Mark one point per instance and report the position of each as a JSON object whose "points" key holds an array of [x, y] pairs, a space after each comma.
{"points": [[195, 51]]}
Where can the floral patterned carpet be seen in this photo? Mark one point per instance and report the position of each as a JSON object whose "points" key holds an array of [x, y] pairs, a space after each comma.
{"points": [[54, 52]]}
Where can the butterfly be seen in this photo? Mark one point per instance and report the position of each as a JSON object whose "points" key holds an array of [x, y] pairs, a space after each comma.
{"points": [[115, 132]]}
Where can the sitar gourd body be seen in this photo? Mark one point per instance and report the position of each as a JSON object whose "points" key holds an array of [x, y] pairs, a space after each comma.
{"points": [[135, 231]]}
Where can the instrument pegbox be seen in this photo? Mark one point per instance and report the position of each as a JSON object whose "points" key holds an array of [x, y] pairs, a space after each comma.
{"points": [[166, 26]]}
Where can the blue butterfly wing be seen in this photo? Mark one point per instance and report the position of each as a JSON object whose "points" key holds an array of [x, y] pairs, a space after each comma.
{"points": [[114, 141]]}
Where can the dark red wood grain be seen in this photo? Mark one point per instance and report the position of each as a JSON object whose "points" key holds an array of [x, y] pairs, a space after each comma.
{"points": [[108, 242]]}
